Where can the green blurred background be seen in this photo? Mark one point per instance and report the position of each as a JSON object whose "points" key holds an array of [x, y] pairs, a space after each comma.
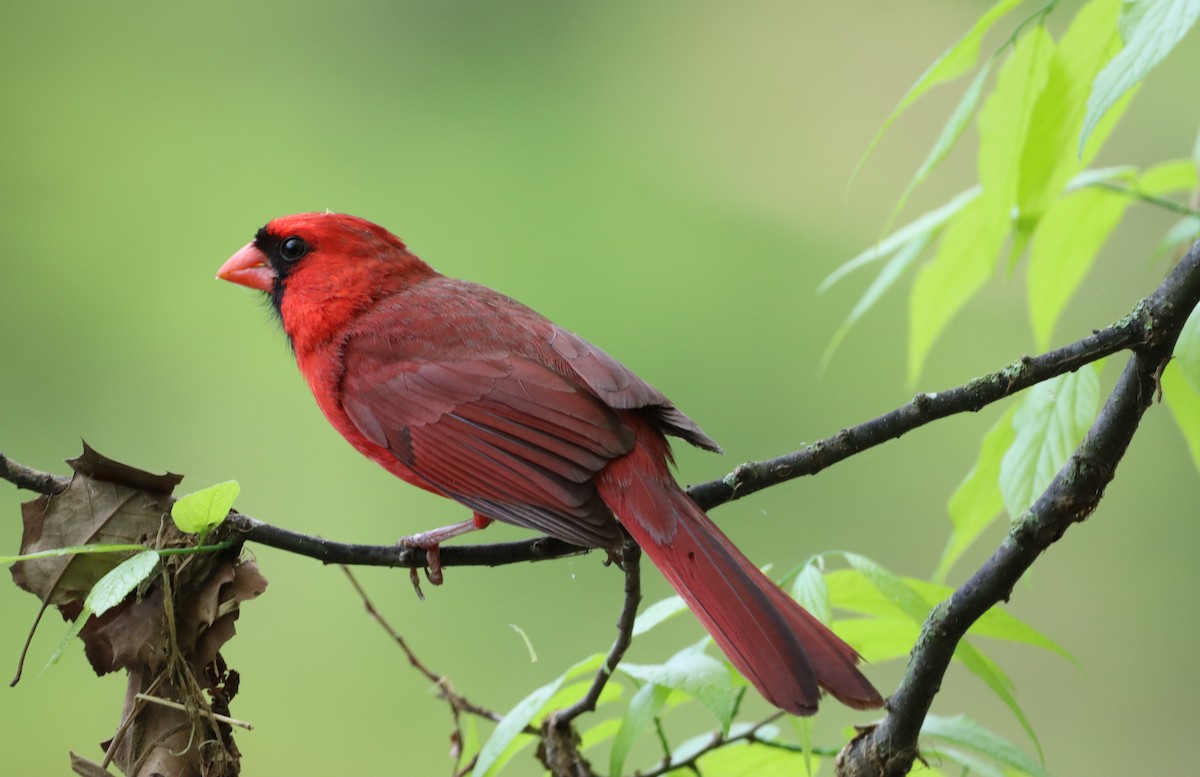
{"points": [[668, 179]]}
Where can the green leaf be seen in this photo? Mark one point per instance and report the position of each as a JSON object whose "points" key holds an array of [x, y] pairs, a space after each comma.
{"points": [[962, 264], [599, 733], [892, 586], [1184, 402], [961, 730], [1187, 349], [108, 592], [1182, 232], [948, 138], [198, 512], [1049, 424], [696, 674], [1176, 175], [886, 278], [880, 638], [1047, 161], [987, 670], [1005, 118], [1064, 247], [977, 500], [810, 591], [662, 610], [895, 598], [923, 225], [953, 62], [1151, 29], [638, 719], [512, 725]]}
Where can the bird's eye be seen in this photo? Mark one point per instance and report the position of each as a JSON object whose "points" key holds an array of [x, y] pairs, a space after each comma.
{"points": [[292, 248]]}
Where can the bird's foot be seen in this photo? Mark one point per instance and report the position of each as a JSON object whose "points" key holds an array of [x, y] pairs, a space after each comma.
{"points": [[431, 541]]}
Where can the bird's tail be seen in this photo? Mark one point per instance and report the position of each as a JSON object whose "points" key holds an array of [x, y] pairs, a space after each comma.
{"points": [[784, 651]]}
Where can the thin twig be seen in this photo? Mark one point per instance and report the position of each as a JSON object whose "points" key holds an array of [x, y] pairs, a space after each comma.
{"points": [[183, 708], [631, 556], [458, 704]]}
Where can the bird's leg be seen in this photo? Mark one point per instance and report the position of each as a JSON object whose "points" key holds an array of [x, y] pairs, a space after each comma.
{"points": [[431, 541]]}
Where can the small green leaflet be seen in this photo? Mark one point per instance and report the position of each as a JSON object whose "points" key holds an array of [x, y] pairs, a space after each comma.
{"points": [[108, 592], [1067, 240], [1187, 350], [1151, 29], [810, 591], [953, 62], [504, 739], [959, 269], [1046, 161], [963, 731], [947, 139], [1184, 401], [198, 512], [658, 612], [643, 707], [696, 674], [1049, 424], [977, 500]]}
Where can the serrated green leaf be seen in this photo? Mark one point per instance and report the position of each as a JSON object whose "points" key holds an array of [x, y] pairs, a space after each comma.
{"points": [[1049, 424], [810, 591], [953, 62], [1187, 349], [638, 719], [997, 622], [879, 638], [923, 225], [742, 760], [977, 500], [803, 727], [1184, 403], [1047, 161], [1176, 175], [599, 733], [198, 512], [851, 590], [960, 117], [1151, 29], [1005, 118], [1182, 232], [965, 732], [1069, 237], [893, 599], [1088, 178], [972, 765], [989, 671], [512, 725], [963, 263], [696, 674], [108, 592], [662, 610], [892, 586], [886, 278]]}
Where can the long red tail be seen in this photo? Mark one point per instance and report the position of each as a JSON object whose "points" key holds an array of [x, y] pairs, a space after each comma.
{"points": [[783, 650]]}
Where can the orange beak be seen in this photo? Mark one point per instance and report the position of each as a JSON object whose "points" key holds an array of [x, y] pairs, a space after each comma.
{"points": [[248, 267]]}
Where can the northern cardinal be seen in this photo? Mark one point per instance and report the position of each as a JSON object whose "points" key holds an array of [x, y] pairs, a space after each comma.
{"points": [[469, 394]]}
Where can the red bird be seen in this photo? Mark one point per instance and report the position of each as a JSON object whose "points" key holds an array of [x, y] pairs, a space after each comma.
{"points": [[469, 394]]}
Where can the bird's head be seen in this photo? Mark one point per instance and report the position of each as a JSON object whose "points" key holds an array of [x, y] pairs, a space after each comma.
{"points": [[321, 269]]}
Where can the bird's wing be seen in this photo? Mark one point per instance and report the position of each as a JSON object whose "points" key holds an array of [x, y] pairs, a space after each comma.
{"points": [[506, 436]]}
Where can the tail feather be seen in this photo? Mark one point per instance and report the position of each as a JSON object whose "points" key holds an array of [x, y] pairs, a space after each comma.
{"points": [[786, 653]]}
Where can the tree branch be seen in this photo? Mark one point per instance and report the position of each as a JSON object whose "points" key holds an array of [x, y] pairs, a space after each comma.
{"points": [[891, 747], [1135, 330]]}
